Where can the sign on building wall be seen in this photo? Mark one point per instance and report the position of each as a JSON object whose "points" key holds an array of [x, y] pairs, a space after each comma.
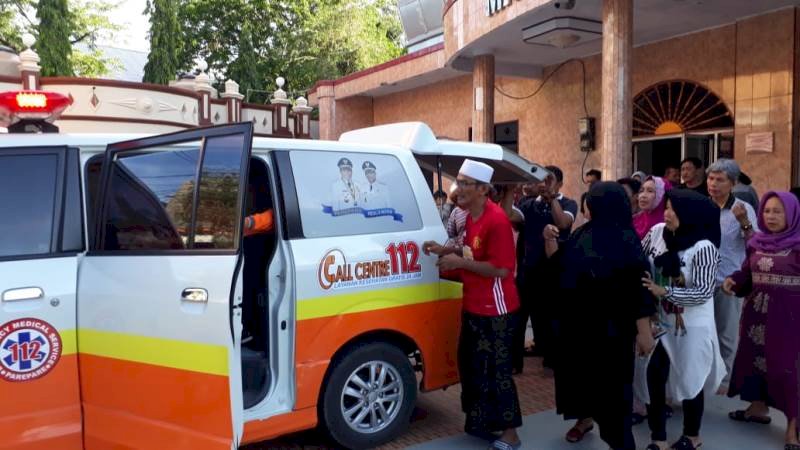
{"points": [[759, 142], [493, 6]]}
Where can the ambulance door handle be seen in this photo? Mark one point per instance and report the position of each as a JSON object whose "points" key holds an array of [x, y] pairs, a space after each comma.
{"points": [[195, 295], [26, 293]]}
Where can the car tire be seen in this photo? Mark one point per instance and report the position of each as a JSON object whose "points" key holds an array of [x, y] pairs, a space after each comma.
{"points": [[358, 414]]}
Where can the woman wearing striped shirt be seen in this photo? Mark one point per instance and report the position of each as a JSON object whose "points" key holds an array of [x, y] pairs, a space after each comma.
{"points": [[684, 256]]}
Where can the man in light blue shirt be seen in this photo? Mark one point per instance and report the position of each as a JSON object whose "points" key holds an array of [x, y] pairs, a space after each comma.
{"points": [[737, 224]]}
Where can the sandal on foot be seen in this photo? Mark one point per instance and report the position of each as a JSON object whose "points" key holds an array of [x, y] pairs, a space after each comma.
{"points": [[576, 435], [684, 443], [637, 418], [668, 411], [503, 445], [740, 415]]}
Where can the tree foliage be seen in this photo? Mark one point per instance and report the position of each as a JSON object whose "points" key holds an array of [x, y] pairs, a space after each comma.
{"points": [[53, 46], [302, 40], [89, 21], [165, 42]]}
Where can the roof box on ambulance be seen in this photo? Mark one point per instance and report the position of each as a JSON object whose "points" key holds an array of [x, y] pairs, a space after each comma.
{"points": [[432, 153]]}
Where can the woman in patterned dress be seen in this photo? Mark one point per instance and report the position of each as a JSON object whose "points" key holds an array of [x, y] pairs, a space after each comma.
{"points": [[767, 367]]}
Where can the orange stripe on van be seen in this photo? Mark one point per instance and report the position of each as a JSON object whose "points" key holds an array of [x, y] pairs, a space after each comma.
{"points": [[131, 404], [432, 325], [45, 413], [260, 430]]}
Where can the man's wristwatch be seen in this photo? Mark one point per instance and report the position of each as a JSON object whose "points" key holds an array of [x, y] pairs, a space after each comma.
{"points": [[747, 227]]}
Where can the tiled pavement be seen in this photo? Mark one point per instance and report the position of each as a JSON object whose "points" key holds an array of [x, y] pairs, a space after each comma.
{"points": [[438, 422], [438, 414]]}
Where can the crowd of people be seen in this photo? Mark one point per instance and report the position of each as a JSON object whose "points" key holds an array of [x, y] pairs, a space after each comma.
{"points": [[650, 291]]}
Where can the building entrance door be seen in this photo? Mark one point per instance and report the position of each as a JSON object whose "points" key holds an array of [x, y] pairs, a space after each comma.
{"points": [[654, 154]]}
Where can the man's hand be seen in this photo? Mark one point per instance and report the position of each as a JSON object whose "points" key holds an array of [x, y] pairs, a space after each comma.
{"points": [[550, 233], [550, 189], [740, 212], [727, 286], [432, 247], [450, 262]]}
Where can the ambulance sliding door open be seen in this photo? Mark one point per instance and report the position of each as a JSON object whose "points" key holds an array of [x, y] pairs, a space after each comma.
{"points": [[161, 293]]}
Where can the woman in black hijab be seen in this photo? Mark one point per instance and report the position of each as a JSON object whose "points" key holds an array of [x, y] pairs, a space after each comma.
{"points": [[603, 316], [684, 251]]}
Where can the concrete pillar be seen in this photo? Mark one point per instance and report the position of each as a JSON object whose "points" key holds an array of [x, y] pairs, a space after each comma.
{"points": [[202, 85], [233, 99], [616, 120], [483, 99], [280, 110], [302, 118], [327, 111], [29, 69]]}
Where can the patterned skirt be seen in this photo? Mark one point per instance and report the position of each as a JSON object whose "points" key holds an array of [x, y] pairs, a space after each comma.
{"points": [[488, 393]]}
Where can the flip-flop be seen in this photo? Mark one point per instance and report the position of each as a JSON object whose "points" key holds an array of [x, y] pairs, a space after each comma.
{"points": [[503, 445], [740, 415], [576, 435]]}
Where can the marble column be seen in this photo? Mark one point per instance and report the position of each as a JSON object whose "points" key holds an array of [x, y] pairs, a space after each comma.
{"points": [[483, 99], [616, 120]]}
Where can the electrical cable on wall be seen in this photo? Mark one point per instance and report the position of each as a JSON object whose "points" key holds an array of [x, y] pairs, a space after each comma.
{"points": [[541, 86]]}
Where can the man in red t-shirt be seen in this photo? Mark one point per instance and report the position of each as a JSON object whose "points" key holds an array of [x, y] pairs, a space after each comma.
{"points": [[486, 262]]}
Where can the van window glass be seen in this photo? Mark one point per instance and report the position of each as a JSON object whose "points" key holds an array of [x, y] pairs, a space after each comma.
{"points": [[217, 218], [27, 200], [150, 200], [353, 193]]}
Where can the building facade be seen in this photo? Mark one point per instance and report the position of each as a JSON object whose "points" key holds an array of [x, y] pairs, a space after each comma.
{"points": [[662, 79]]}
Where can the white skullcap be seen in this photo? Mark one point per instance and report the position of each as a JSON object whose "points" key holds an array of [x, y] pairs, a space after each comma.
{"points": [[477, 171]]}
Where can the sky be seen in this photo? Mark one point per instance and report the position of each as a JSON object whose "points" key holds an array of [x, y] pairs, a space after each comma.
{"points": [[134, 23]]}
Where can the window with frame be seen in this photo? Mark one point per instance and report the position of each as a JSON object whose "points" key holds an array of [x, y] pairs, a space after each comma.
{"points": [[154, 200], [343, 194], [28, 193]]}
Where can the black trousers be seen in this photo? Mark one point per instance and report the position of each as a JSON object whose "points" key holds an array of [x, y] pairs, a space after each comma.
{"points": [[488, 393], [535, 295], [657, 374]]}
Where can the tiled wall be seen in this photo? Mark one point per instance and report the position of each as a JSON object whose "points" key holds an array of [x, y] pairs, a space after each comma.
{"points": [[748, 65]]}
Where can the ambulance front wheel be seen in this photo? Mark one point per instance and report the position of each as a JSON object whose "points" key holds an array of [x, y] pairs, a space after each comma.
{"points": [[369, 396]]}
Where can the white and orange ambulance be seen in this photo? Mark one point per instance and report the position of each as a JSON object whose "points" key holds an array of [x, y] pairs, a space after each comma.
{"points": [[134, 314]]}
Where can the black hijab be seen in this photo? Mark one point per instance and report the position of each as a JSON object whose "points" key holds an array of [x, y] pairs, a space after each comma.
{"points": [[698, 219], [608, 242]]}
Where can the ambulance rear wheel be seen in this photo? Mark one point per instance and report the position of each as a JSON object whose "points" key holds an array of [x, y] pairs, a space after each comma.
{"points": [[369, 396]]}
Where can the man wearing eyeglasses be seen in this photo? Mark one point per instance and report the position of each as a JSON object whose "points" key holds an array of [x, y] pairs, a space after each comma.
{"points": [[490, 301]]}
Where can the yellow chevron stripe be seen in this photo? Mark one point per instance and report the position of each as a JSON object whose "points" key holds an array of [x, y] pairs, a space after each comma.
{"points": [[334, 305], [205, 358], [69, 343]]}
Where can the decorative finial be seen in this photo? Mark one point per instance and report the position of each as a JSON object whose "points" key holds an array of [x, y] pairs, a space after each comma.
{"points": [[28, 40], [279, 96], [301, 105], [202, 65]]}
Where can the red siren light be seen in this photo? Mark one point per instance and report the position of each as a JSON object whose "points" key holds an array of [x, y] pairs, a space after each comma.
{"points": [[16, 106]]}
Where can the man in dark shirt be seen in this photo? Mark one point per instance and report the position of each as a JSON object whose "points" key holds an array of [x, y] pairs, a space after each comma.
{"points": [[550, 207], [693, 175]]}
